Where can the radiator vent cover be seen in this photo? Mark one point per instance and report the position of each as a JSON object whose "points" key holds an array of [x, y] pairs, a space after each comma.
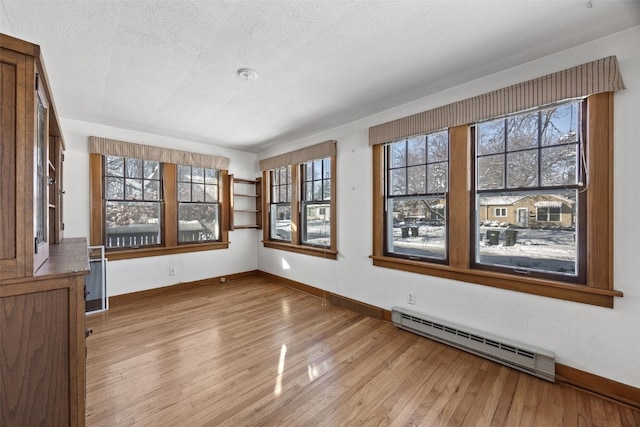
{"points": [[531, 360]]}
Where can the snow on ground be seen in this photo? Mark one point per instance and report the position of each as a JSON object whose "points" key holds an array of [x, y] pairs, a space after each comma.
{"points": [[547, 250]]}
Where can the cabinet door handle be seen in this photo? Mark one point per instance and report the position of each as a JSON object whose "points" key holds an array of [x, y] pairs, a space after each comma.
{"points": [[88, 332]]}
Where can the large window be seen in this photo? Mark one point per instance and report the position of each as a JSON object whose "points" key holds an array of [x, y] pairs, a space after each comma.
{"points": [[531, 160], [280, 207], [301, 201], [416, 197], [198, 210], [316, 203], [528, 202], [148, 201], [132, 208]]}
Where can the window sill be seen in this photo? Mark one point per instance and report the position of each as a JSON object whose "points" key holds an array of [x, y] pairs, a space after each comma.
{"points": [[306, 250], [547, 288], [115, 255]]}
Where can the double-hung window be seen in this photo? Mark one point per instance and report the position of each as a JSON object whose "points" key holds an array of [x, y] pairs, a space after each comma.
{"points": [[132, 208], [522, 198], [532, 162], [280, 204], [301, 201], [198, 204], [315, 199], [416, 197], [148, 201]]}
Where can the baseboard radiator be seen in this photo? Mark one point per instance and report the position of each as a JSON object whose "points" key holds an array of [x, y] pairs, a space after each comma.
{"points": [[531, 360]]}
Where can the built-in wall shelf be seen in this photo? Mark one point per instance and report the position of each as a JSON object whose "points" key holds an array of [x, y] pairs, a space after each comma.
{"points": [[245, 203]]}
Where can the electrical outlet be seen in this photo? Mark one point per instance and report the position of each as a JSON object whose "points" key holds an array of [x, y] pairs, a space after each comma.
{"points": [[411, 298], [172, 271]]}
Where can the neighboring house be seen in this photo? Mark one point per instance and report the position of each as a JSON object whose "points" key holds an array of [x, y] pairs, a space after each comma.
{"points": [[533, 211]]}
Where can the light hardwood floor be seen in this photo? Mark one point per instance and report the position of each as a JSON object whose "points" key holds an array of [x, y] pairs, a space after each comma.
{"points": [[254, 353]]}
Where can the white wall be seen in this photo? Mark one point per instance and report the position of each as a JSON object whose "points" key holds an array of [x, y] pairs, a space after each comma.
{"points": [[603, 341], [133, 275]]}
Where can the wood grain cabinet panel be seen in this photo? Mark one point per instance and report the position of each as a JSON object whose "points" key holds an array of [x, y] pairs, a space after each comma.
{"points": [[42, 332]]}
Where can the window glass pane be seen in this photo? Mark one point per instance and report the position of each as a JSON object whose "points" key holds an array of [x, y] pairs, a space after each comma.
{"points": [[490, 136], [132, 224], [398, 154], [317, 169], [417, 227], [522, 169], [211, 193], [184, 192], [114, 166], [398, 183], [275, 177], [115, 188], [133, 168], [491, 172], [416, 176], [197, 222], [327, 189], [326, 167], [197, 192], [416, 151], [151, 170], [522, 132], [316, 224], [133, 189], [537, 231], [437, 175], [152, 190], [283, 194], [308, 191], [184, 173], [211, 176], [317, 190], [281, 222], [558, 165], [438, 147], [197, 174], [560, 124], [284, 176]]}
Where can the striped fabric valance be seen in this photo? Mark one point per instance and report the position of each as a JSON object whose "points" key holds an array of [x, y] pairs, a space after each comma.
{"points": [[317, 151], [112, 147], [594, 77]]}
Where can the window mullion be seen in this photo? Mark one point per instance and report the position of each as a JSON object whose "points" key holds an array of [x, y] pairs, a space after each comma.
{"points": [[294, 202], [459, 203], [169, 204], [599, 191]]}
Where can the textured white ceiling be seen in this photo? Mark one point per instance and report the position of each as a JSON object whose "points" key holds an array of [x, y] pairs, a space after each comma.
{"points": [[169, 67]]}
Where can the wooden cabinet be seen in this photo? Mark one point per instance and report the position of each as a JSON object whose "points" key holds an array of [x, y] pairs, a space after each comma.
{"points": [[42, 334], [31, 148], [42, 341], [245, 204]]}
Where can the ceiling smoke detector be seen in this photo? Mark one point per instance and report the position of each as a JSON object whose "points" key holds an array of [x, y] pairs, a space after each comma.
{"points": [[247, 74]]}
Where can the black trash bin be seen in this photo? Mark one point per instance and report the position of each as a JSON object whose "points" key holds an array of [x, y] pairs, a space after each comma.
{"points": [[405, 231], [414, 231], [493, 237], [510, 237]]}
